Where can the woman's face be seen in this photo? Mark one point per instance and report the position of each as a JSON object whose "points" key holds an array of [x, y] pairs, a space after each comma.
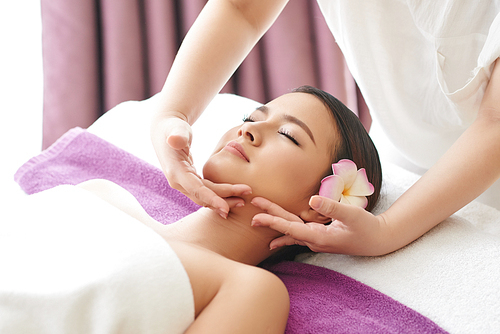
{"points": [[281, 151]]}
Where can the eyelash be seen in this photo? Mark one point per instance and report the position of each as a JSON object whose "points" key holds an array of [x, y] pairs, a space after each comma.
{"points": [[248, 118], [289, 136], [281, 132]]}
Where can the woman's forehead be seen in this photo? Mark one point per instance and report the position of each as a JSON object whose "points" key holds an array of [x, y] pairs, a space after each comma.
{"points": [[307, 108], [296, 102]]}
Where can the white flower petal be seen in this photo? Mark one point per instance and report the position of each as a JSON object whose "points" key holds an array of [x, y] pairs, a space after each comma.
{"points": [[332, 187], [361, 186], [360, 201], [347, 170]]}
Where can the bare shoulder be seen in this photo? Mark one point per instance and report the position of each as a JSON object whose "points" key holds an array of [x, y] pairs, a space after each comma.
{"points": [[222, 284]]}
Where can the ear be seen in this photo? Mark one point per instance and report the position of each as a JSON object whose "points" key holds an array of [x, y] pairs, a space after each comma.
{"points": [[309, 215]]}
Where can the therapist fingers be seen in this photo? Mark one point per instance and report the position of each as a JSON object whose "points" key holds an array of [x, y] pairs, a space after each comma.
{"points": [[353, 230], [311, 235], [228, 190], [191, 185], [295, 232], [178, 133], [231, 193], [179, 137], [287, 223], [337, 211], [274, 209], [171, 137], [318, 237]]}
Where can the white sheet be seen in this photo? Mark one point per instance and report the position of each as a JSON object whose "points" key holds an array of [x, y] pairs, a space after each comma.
{"points": [[72, 263], [451, 274]]}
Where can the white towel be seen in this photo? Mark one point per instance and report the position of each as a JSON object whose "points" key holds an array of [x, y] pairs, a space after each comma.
{"points": [[450, 275], [72, 263]]}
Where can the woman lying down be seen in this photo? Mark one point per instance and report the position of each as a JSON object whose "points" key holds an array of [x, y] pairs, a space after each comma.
{"points": [[283, 151]]}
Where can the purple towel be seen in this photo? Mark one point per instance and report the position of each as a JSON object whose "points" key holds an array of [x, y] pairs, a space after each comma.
{"points": [[325, 301], [80, 156], [322, 300]]}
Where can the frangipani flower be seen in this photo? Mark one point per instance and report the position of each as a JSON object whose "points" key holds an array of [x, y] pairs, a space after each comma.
{"points": [[347, 184]]}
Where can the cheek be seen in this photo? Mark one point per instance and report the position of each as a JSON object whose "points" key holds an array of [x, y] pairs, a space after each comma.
{"points": [[287, 181], [220, 168]]}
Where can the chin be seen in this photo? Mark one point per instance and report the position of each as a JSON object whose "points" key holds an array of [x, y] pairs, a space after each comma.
{"points": [[211, 173], [222, 172]]}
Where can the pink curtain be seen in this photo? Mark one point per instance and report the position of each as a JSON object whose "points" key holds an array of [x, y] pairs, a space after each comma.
{"points": [[99, 53]]}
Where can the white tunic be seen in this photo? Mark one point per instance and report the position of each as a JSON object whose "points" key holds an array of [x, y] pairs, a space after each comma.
{"points": [[422, 66]]}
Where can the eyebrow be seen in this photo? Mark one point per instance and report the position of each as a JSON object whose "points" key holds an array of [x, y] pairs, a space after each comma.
{"points": [[292, 119]]}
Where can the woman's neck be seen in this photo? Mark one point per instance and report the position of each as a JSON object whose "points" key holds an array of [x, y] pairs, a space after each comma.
{"points": [[233, 237]]}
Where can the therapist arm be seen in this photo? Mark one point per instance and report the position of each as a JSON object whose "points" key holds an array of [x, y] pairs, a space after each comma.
{"points": [[465, 171], [219, 40]]}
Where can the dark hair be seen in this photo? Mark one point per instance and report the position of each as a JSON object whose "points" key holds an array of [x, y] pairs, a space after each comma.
{"points": [[355, 144]]}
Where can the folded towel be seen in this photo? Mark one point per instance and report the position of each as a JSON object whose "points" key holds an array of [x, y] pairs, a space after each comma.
{"points": [[325, 301], [79, 156], [322, 301]]}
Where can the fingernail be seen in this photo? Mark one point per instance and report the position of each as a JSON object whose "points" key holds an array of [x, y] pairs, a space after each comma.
{"points": [[245, 193], [240, 205], [271, 247], [255, 223], [316, 202], [222, 213]]}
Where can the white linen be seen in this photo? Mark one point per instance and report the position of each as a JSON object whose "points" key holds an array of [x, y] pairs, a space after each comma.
{"points": [[451, 274], [72, 263], [422, 67]]}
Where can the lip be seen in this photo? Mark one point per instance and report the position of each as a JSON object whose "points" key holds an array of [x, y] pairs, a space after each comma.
{"points": [[236, 149]]}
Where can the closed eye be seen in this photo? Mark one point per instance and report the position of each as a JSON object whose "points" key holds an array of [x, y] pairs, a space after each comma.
{"points": [[284, 132], [249, 118], [289, 136]]}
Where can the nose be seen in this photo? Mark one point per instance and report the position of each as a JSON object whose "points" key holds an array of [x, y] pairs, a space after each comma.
{"points": [[250, 132]]}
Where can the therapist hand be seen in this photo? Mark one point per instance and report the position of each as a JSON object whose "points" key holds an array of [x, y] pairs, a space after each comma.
{"points": [[171, 137], [353, 230]]}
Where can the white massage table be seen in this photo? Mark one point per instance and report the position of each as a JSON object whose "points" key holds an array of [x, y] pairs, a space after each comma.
{"points": [[450, 275]]}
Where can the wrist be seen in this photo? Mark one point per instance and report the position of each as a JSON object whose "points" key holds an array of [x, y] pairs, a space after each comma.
{"points": [[388, 239], [162, 115]]}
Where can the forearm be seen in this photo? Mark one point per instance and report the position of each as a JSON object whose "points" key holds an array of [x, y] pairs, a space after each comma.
{"points": [[219, 40], [467, 169]]}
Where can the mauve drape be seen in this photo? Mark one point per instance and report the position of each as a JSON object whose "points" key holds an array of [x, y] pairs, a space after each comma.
{"points": [[99, 53]]}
